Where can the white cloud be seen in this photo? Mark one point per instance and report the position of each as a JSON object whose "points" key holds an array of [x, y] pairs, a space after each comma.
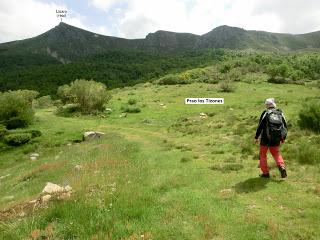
{"points": [[145, 16], [294, 16], [105, 5], [21, 19], [29, 18], [136, 18], [200, 16]]}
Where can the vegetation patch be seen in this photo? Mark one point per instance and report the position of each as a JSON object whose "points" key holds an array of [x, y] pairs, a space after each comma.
{"points": [[16, 108], [227, 167], [17, 139], [85, 96], [309, 117]]}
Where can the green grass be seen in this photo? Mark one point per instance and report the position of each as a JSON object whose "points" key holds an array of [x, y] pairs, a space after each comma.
{"points": [[175, 176]]}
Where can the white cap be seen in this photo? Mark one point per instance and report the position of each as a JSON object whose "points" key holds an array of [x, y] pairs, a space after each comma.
{"points": [[270, 101]]}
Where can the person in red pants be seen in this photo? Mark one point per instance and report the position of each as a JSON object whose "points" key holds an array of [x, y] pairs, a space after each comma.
{"points": [[273, 130]]}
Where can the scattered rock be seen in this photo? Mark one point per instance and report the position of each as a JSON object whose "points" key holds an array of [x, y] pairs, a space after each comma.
{"points": [[90, 135], [34, 155], [33, 201], [64, 196], [282, 207], [146, 121], [252, 206], [123, 115], [228, 190], [22, 214], [203, 115], [69, 144], [78, 167], [269, 199], [2, 177], [231, 109], [46, 198], [68, 188], [162, 104], [52, 188], [108, 110]]}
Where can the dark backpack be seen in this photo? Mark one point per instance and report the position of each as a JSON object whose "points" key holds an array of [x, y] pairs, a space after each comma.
{"points": [[276, 130]]}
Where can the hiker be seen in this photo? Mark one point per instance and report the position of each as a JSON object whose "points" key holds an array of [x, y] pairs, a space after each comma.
{"points": [[273, 129]]}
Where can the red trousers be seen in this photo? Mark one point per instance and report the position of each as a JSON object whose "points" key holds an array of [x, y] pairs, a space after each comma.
{"points": [[263, 157]]}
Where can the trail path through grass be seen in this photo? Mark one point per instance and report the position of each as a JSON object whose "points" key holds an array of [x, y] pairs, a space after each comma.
{"points": [[177, 177]]}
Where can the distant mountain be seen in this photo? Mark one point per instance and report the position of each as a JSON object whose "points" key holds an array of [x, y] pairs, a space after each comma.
{"points": [[66, 53], [65, 43]]}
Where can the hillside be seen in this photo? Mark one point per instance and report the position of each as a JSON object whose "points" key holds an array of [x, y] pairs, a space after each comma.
{"points": [[66, 53], [172, 171], [65, 42]]}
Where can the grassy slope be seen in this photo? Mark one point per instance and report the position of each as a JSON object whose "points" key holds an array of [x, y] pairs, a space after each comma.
{"points": [[152, 175]]}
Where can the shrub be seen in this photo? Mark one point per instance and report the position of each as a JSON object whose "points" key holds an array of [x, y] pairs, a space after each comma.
{"points": [[130, 109], [16, 108], [67, 110], [172, 79], [185, 159], [3, 131], [43, 102], [307, 153], [89, 96], [278, 80], [225, 68], [227, 167], [309, 117], [226, 86], [234, 74], [132, 101], [17, 139], [34, 133]]}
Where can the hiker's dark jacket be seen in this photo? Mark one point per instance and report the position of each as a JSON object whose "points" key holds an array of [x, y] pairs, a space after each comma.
{"points": [[262, 129]]}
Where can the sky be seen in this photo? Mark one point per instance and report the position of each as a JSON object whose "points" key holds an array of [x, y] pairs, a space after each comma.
{"points": [[20, 19]]}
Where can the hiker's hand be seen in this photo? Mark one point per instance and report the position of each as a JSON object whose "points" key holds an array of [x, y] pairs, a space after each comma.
{"points": [[283, 141], [256, 141]]}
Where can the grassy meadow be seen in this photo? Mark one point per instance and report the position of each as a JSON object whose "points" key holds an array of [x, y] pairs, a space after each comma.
{"points": [[166, 172]]}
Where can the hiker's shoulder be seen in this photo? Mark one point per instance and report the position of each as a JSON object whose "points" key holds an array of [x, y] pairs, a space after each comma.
{"points": [[263, 113]]}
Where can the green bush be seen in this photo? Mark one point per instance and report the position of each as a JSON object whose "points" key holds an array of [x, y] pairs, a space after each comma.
{"points": [[34, 133], [17, 139], [309, 117], [16, 108], [234, 75], [3, 131], [172, 79], [132, 101], [225, 68], [89, 96], [226, 86], [130, 109], [307, 153], [67, 110], [278, 80], [43, 102]]}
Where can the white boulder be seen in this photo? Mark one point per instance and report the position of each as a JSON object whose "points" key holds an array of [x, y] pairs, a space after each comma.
{"points": [[52, 188], [46, 198], [90, 135]]}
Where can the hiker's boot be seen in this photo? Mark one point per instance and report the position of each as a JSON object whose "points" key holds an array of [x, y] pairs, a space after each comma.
{"points": [[265, 175], [283, 172]]}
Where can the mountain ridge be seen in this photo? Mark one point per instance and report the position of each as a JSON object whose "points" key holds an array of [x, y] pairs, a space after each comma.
{"points": [[66, 43]]}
